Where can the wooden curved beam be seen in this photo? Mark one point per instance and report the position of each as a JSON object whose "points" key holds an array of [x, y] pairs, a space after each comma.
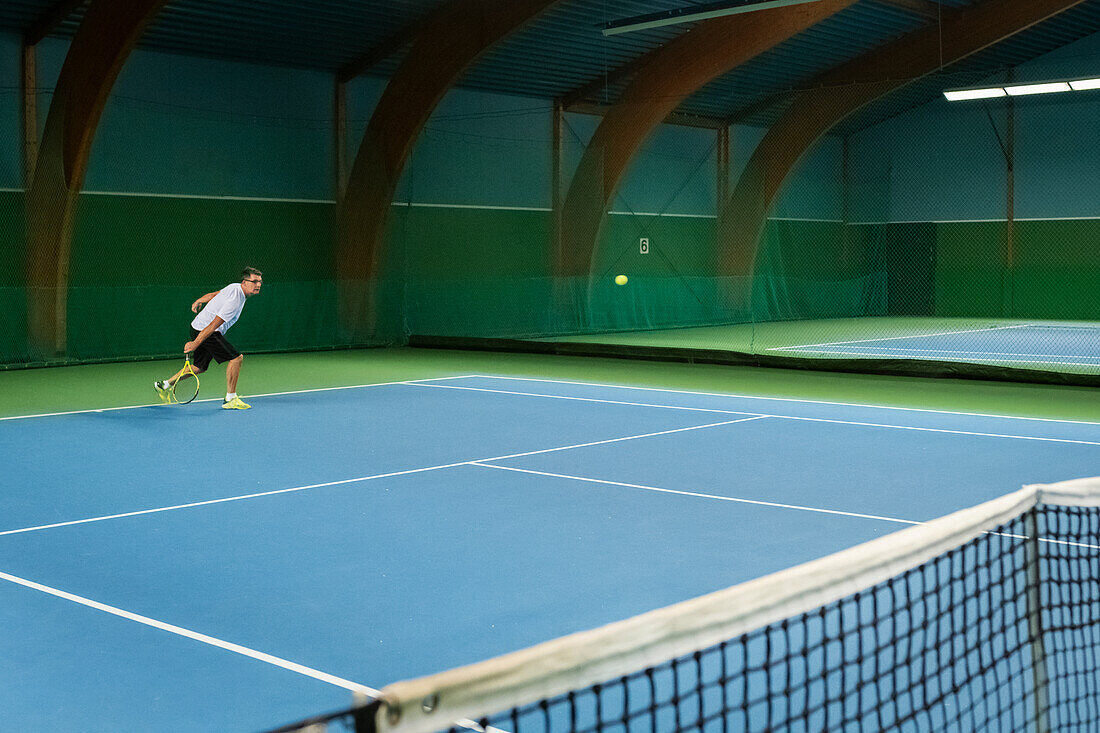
{"points": [[450, 41], [109, 31], [846, 89], [667, 76]]}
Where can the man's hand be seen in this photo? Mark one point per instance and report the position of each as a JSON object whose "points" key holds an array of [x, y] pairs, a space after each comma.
{"points": [[210, 328]]}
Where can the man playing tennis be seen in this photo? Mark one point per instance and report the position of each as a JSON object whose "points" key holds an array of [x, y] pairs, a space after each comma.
{"points": [[208, 335]]}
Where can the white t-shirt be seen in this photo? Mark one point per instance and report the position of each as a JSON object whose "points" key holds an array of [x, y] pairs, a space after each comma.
{"points": [[228, 303]]}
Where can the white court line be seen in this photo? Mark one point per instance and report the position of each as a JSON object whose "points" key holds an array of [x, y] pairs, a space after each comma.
{"points": [[910, 336], [699, 495], [195, 636], [937, 430], [797, 507], [266, 394], [942, 351], [593, 399], [778, 417], [993, 357], [340, 482], [781, 399]]}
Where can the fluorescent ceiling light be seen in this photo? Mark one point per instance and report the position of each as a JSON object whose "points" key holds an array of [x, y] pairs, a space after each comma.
{"points": [[1044, 88], [956, 95], [1018, 90], [706, 11]]}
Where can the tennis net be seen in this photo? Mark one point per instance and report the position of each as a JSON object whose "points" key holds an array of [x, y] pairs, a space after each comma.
{"points": [[986, 619]]}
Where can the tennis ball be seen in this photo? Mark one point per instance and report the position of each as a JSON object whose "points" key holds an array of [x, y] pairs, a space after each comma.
{"points": [[620, 279]]}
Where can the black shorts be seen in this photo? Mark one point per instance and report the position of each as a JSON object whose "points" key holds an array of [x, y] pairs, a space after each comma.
{"points": [[215, 347]]}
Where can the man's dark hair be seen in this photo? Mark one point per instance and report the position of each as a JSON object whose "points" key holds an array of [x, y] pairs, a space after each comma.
{"points": [[249, 272]]}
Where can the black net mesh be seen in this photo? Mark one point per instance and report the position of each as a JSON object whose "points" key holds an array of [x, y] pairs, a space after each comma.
{"points": [[999, 634], [953, 645]]}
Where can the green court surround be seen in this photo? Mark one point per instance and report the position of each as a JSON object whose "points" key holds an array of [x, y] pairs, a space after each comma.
{"points": [[97, 386]]}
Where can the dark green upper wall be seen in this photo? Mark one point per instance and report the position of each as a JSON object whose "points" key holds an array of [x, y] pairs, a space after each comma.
{"points": [[12, 227], [138, 240], [10, 154]]}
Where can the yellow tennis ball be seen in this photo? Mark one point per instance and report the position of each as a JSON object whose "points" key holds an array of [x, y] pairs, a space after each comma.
{"points": [[620, 279]]}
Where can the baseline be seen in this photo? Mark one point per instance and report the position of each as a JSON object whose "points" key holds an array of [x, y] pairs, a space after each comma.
{"points": [[796, 400], [898, 338], [266, 394], [774, 415]]}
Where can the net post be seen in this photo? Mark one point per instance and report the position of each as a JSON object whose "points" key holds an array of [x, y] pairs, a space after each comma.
{"points": [[1040, 680], [365, 715]]}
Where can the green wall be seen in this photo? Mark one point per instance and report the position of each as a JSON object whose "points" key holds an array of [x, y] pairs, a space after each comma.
{"points": [[13, 301], [475, 272], [809, 269], [1054, 272], [961, 269], [139, 262]]}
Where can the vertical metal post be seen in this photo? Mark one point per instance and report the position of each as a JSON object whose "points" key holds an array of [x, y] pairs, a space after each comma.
{"points": [[845, 201], [559, 289], [1010, 208], [555, 182], [723, 168], [339, 138], [29, 78], [1040, 678], [1010, 185]]}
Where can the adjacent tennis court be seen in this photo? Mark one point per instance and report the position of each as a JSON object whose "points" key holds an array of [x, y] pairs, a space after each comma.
{"points": [[1016, 344], [219, 573], [1065, 347]]}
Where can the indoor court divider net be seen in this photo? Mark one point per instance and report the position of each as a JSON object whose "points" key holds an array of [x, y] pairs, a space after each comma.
{"points": [[986, 619]]}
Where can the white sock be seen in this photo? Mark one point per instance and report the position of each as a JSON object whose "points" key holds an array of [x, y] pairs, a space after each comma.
{"points": [[230, 396]]}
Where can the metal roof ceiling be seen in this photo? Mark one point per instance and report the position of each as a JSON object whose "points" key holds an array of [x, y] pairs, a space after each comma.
{"points": [[563, 49]]}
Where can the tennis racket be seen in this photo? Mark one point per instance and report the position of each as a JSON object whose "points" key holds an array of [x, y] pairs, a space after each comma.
{"points": [[186, 387]]}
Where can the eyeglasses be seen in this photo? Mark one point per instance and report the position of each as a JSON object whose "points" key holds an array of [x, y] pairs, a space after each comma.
{"points": [[253, 281]]}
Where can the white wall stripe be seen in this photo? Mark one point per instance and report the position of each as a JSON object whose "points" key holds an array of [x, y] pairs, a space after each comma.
{"points": [[975, 221], [414, 205], [263, 199]]}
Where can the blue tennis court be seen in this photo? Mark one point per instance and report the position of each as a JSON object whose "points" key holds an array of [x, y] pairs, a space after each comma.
{"points": [[1016, 344], [224, 571]]}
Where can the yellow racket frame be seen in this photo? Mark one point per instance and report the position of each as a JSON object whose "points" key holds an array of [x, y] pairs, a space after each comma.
{"points": [[187, 369]]}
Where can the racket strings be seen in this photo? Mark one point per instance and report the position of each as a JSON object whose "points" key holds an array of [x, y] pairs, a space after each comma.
{"points": [[186, 386]]}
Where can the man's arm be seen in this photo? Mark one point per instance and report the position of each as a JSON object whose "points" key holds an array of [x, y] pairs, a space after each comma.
{"points": [[204, 299], [192, 345]]}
